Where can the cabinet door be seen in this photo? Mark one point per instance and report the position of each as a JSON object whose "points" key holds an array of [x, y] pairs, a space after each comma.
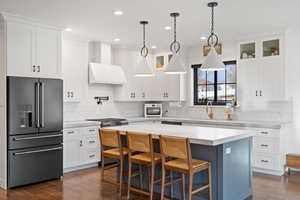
{"points": [[72, 148], [48, 53], [173, 87], [20, 49], [248, 80], [272, 80]]}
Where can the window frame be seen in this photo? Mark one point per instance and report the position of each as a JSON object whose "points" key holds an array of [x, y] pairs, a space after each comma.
{"points": [[215, 102]]}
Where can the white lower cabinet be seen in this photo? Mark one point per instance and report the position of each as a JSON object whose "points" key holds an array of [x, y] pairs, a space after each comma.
{"points": [[81, 147], [268, 152]]}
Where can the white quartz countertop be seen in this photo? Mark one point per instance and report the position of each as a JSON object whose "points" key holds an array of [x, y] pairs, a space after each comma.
{"points": [[235, 123], [77, 124], [198, 135]]}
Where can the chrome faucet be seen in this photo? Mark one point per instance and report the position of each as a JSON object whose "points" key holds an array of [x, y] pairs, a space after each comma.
{"points": [[209, 110]]}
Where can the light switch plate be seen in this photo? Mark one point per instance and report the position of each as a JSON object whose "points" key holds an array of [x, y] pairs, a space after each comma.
{"points": [[228, 150]]}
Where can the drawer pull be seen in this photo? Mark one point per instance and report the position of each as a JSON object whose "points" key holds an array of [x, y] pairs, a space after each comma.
{"points": [[92, 141], [264, 145], [91, 156], [264, 161], [264, 132], [70, 132], [37, 151], [92, 130], [37, 137]]}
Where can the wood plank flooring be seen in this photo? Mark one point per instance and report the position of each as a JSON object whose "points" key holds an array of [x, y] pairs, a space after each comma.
{"points": [[86, 185]]}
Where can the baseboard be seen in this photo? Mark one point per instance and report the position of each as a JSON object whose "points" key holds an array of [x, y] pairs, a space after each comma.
{"points": [[81, 167], [3, 183], [269, 171]]}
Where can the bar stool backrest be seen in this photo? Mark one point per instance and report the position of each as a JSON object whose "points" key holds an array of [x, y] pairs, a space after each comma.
{"points": [[175, 147], [110, 138], [139, 142]]}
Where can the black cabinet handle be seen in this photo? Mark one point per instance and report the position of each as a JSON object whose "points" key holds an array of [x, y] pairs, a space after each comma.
{"points": [[38, 68], [33, 68], [264, 145], [260, 93], [264, 132], [68, 94], [256, 93], [72, 94]]}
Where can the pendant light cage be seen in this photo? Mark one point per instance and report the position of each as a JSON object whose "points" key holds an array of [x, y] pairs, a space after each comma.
{"points": [[175, 45], [213, 39], [144, 50]]}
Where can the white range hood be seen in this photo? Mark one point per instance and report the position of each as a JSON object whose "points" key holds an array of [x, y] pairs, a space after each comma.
{"points": [[100, 68]]}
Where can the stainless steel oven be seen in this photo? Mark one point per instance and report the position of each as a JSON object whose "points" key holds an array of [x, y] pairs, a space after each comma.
{"points": [[153, 110]]}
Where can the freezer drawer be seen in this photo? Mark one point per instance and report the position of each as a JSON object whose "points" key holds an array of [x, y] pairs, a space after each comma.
{"points": [[34, 140], [33, 165]]}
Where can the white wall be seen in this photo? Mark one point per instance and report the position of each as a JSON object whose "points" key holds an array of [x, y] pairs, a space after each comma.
{"points": [[292, 86], [87, 108]]}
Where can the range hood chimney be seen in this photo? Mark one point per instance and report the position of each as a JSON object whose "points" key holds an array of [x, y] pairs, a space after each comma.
{"points": [[100, 68]]}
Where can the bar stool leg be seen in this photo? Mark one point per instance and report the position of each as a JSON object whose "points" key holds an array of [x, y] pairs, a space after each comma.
{"points": [[190, 186], [121, 176], [171, 186], [141, 177], [163, 180], [183, 187], [129, 178], [152, 180], [209, 180], [102, 166]]}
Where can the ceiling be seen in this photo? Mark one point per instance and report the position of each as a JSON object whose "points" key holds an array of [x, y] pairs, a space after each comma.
{"points": [[94, 19]]}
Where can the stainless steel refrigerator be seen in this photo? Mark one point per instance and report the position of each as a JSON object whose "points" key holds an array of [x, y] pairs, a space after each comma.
{"points": [[34, 130]]}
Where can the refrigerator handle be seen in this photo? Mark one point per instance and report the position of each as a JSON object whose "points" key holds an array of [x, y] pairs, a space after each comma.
{"points": [[42, 103], [37, 98]]}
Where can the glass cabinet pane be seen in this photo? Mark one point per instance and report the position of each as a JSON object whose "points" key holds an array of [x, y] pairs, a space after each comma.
{"points": [[247, 50], [271, 48]]}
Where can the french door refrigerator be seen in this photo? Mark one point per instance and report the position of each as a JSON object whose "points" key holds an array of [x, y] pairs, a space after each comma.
{"points": [[34, 130]]}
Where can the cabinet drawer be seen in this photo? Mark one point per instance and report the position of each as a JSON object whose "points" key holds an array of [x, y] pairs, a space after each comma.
{"points": [[266, 145], [71, 133], [91, 142], [91, 155], [267, 161], [91, 131], [269, 133]]}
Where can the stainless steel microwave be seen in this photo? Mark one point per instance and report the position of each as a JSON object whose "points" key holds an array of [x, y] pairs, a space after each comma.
{"points": [[153, 110]]}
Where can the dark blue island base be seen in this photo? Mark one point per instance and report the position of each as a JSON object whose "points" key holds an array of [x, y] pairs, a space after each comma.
{"points": [[231, 171]]}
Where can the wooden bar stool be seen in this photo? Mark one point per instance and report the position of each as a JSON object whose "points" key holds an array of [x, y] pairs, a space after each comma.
{"points": [[183, 163], [141, 145], [111, 147]]}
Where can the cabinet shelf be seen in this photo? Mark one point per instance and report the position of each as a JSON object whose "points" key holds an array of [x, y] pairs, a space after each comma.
{"points": [[247, 50], [271, 48]]}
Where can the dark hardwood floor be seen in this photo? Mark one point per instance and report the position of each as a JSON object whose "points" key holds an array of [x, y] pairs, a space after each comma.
{"points": [[86, 185]]}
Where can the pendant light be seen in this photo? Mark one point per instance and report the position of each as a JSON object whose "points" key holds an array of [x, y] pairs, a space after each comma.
{"points": [[176, 65], [213, 61], [143, 69]]}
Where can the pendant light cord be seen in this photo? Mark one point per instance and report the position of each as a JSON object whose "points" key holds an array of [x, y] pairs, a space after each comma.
{"points": [[175, 45], [213, 38], [212, 20], [144, 50]]}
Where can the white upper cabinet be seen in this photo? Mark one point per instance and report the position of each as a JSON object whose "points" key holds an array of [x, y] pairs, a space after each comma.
{"points": [[32, 50], [161, 87], [20, 49], [74, 64], [48, 52], [261, 70]]}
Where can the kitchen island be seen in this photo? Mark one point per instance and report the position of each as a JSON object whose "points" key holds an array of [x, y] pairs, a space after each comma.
{"points": [[228, 150]]}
